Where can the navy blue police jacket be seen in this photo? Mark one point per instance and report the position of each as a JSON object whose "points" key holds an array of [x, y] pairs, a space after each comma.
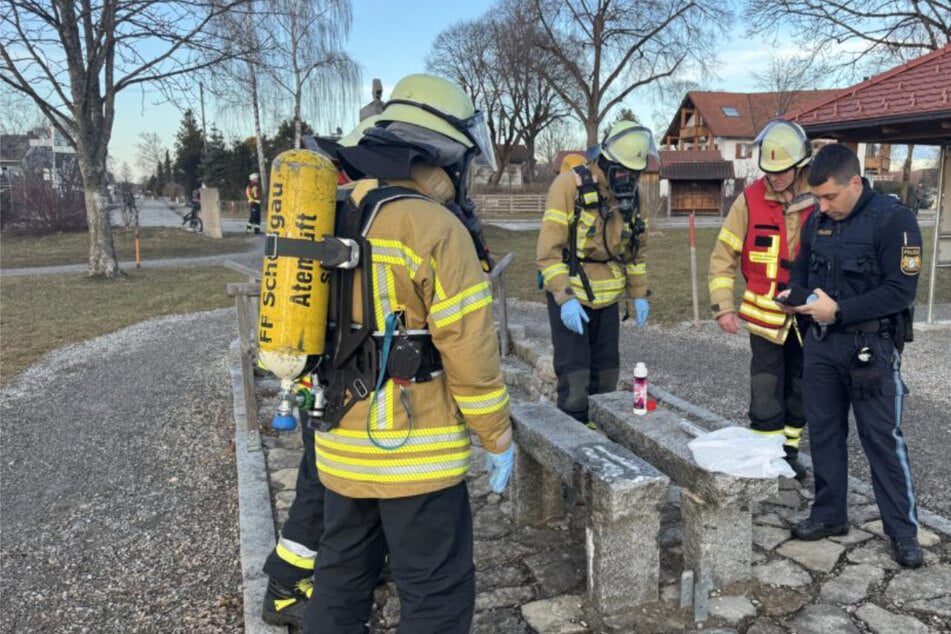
{"points": [[868, 262]]}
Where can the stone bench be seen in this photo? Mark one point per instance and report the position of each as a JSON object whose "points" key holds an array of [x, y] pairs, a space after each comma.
{"points": [[715, 507], [623, 497]]}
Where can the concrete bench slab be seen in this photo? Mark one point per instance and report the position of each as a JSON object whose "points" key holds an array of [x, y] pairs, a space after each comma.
{"points": [[717, 521], [623, 495]]}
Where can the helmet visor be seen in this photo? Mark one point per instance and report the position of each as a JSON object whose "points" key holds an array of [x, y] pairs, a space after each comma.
{"points": [[473, 128], [630, 147], [477, 130]]}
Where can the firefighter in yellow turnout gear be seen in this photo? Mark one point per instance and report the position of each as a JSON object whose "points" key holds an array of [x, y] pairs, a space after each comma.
{"points": [[394, 461], [760, 237], [591, 259]]}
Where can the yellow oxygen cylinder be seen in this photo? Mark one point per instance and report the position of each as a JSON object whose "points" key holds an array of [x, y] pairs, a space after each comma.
{"points": [[295, 292]]}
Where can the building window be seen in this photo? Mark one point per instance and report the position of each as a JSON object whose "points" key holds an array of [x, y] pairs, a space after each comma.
{"points": [[744, 150], [730, 111]]}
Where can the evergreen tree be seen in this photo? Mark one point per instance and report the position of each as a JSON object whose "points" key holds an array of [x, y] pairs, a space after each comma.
{"points": [[189, 145], [284, 139], [214, 164], [169, 181]]}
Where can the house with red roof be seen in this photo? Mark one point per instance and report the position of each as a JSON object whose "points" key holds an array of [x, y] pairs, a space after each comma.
{"points": [[708, 146]]}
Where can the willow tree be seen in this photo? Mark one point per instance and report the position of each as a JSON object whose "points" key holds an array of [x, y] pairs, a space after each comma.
{"points": [[73, 57]]}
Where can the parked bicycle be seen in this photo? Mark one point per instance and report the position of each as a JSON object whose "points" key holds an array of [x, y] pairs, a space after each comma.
{"points": [[193, 218]]}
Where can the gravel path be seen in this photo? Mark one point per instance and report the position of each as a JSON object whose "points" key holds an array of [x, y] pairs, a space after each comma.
{"points": [[117, 482]]}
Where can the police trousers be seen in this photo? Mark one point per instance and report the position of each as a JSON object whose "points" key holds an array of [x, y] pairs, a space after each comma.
{"points": [[584, 364], [293, 558], [776, 388], [828, 386], [430, 542]]}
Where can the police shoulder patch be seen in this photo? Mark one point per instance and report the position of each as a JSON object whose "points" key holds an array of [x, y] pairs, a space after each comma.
{"points": [[911, 260]]}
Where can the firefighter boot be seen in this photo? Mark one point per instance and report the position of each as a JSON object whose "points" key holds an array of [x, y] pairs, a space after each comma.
{"points": [[792, 458], [286, 604]]}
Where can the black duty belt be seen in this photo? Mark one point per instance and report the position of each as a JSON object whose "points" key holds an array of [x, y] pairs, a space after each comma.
{"points": [[883, 326]]}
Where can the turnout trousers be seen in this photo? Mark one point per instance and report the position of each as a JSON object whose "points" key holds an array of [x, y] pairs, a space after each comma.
{"points": [[293, 557], [254, 218], [828, 386], [584, 364], [776, 388], [430, 542]]}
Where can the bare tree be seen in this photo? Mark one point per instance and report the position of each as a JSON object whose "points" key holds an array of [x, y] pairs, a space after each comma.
{"points": [[73, 57], [605, 49], [20, 114], [493, 59], [559, 136], [865, 34], [150, 151], [788, 75], [307, 60]]}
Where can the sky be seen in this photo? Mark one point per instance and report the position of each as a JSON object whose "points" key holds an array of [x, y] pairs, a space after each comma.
{"points": [[390, 39]]}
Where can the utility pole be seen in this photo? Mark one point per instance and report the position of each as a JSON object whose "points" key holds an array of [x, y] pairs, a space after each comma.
{"points": [[204, 131]]}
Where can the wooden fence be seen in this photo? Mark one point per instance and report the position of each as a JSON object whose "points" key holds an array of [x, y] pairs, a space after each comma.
{"points": [[533, 205]]}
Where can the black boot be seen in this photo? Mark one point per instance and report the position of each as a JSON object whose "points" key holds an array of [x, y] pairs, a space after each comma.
{"points": [[792, 458], [809, 530], [286, 604], [908, 552]]}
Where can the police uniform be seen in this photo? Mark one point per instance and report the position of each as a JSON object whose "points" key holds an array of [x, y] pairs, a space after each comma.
{"points": [[611, 269], [868, 262], [760, 236], [396, 463]]}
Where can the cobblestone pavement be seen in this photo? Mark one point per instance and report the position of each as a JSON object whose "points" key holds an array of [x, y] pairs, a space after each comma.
{"points": [[533, 580]]}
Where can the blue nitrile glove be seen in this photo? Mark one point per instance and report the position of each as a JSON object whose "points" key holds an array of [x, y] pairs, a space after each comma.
{"points": [[499, 466], [643, 309], [572, 316]]}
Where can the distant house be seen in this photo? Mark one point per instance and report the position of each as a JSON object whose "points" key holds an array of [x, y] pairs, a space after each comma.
{"points": [[13, 149]]}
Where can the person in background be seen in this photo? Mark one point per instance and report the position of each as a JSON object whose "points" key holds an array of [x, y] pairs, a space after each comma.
{"points": [[591, 260], [253, 194], [760, 237], [858, 266]]}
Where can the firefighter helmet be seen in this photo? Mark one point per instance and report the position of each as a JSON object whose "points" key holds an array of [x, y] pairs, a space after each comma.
{"points": [[629, 144], [783, 145], [440, 105], [572, 161], [254, 177]]}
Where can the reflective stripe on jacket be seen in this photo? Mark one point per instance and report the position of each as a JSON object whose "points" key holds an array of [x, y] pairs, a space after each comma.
{"points": [[610, 281], [760, 232], [426, 269]]}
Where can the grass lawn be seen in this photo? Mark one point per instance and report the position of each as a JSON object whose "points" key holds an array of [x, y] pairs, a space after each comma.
{"points": [[44, 312], [668, 267], [155, 243]]}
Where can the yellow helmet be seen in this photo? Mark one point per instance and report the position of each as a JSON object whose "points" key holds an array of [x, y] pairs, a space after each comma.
{"points": [[571, 161], [440, 105], [783, 145], [629, 144]]}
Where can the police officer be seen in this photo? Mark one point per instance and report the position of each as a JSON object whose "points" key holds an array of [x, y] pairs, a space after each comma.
{"points": [[394, 462], [859, 260], [591, 257], [253, 193], [760, 236]]}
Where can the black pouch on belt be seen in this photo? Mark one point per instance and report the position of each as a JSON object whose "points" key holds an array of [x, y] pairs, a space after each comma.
{"points": [[866, 375], [406, 355]]}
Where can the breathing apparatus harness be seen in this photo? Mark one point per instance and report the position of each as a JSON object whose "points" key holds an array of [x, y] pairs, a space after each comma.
{"points": [[589, 200]]}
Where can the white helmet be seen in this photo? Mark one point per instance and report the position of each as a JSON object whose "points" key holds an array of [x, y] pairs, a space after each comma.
{"points": [[254, 177]]}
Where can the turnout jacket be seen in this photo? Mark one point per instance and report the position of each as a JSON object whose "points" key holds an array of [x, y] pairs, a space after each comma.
{"points": [[253, 193], [426, 270], [611, 280], [751, 239]]}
